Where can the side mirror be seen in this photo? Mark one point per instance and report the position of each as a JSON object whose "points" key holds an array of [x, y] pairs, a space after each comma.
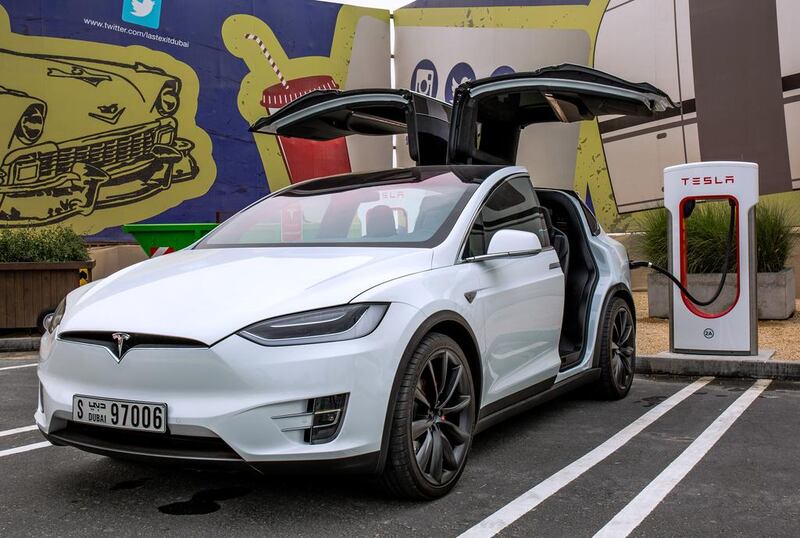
{"points": [[510, 243], [47, 322], [514, 242]]}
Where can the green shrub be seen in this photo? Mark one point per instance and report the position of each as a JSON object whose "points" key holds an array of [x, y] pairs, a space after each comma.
{"points": [[707, 235], [53, 244], [774, 237], [655, 240]]}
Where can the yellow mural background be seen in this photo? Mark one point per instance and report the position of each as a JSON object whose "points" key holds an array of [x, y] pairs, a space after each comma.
{"points": [[59, 99], [260, 75]]}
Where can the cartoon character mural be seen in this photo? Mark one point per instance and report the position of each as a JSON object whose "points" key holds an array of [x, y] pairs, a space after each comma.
{"points": [[359, 58], [95, 135]]}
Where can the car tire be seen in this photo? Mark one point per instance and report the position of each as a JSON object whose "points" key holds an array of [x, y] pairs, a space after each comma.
{"points": [[433, 421], [617, 359]]}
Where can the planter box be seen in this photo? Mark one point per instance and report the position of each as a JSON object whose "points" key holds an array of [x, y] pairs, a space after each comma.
{"points": [[776, 293], [28, 289]]}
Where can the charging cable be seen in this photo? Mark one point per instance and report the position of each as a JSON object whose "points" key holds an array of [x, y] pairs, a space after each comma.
{"points": [[692, 298]]}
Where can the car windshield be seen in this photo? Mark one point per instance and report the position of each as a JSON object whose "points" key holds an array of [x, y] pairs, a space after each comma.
{"points": [[404, 208]]}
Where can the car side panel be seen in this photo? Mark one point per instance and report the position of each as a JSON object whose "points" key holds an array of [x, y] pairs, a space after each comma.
{"points": [[520, 304], [523, 301], [437, 290]]}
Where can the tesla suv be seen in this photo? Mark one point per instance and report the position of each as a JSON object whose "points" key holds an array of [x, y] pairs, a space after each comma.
{"points": [[368, 322]]}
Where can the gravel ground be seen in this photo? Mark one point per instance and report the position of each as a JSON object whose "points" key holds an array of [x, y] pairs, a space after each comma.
{"points": [[653, 334]]}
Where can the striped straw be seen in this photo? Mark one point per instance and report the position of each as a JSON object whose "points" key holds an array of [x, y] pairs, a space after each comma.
{"points": [[268, 56]]}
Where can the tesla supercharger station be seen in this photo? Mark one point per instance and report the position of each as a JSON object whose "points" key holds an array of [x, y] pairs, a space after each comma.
{"points": [[693, 329]]}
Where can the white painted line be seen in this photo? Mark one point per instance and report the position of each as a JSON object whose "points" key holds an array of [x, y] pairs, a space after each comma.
{"points": [[18, 430], [640, 507], [19, 366], [539, 493], [23, 448]]}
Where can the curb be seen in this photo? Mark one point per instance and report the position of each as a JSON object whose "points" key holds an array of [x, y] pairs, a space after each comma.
{"points": [[718, 367], [24, 343]]}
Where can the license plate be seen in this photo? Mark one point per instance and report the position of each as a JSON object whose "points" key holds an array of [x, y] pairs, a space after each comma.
{"points": [[142, 416]]}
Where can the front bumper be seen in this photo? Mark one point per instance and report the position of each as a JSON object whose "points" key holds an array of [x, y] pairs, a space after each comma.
{"points": [[230, 402]]}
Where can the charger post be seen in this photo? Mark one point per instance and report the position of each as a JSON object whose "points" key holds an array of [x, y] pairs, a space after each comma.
{"points": [[732, 330]]}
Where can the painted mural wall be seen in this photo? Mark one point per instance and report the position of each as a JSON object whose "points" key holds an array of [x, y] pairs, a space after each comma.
{"points": [[120, 111]]}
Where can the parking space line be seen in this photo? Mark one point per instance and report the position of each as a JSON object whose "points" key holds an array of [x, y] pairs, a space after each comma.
{"points": [[23, 448], [640, 507], [539, 493], [15, 431], [19, 366]]}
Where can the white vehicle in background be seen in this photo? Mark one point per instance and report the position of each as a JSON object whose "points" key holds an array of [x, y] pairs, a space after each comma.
{"points": [[406, 311]]}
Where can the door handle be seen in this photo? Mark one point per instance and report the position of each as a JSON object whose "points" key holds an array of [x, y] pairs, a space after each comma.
{"points": [[555, 265]]}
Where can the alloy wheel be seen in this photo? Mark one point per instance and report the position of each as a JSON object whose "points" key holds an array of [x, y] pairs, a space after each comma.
{"points": [[622, 348], [442, 417]]}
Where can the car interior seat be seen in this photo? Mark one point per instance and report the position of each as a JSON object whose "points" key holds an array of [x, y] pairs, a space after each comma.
{"points": [[380, 222], [559, 241], [432, 212]]}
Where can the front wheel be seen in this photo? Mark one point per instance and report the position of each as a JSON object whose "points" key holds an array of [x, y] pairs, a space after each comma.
{"points": [[617, 350], [433, 421]]}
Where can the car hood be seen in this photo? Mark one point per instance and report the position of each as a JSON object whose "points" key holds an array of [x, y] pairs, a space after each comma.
{"points": [[206, 295]]}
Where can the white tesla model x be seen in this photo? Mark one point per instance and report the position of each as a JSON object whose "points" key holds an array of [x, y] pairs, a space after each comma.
{"points": [[368, 322]]}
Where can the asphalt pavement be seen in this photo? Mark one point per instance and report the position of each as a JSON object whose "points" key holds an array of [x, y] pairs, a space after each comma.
{"points": [[677, 457]]}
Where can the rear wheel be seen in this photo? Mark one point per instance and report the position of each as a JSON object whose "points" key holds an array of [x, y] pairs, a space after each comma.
{"points": [[433, 421], [617, 350]]}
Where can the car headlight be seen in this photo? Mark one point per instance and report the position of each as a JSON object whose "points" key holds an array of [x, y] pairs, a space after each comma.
{"points": [[168, 99], [53, 320], [31, 124], [316, 326]]}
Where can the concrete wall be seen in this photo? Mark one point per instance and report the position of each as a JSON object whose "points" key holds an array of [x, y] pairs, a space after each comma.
{"points": [[776, 293], [110, 259]]}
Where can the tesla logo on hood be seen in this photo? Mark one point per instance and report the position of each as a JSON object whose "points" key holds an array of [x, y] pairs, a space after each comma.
{"points": [[108, 113], [120, 339]]}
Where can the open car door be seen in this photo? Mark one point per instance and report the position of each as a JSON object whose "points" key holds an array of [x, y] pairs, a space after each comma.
{"points": [[489, 113], [332, 114]]}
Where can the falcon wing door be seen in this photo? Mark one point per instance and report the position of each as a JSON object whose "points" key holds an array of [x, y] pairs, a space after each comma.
{"points": [[331, 114], [489, 113]]}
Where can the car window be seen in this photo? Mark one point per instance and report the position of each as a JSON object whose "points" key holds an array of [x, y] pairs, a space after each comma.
{"points": [[514, 206], [406, 212]]}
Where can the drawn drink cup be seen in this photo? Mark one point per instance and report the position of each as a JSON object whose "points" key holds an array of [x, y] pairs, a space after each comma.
{"points": [[304, 159]]}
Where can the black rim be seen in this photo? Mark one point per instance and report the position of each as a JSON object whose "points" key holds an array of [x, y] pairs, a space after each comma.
{"points": [[622, 348], [441, 417]]}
